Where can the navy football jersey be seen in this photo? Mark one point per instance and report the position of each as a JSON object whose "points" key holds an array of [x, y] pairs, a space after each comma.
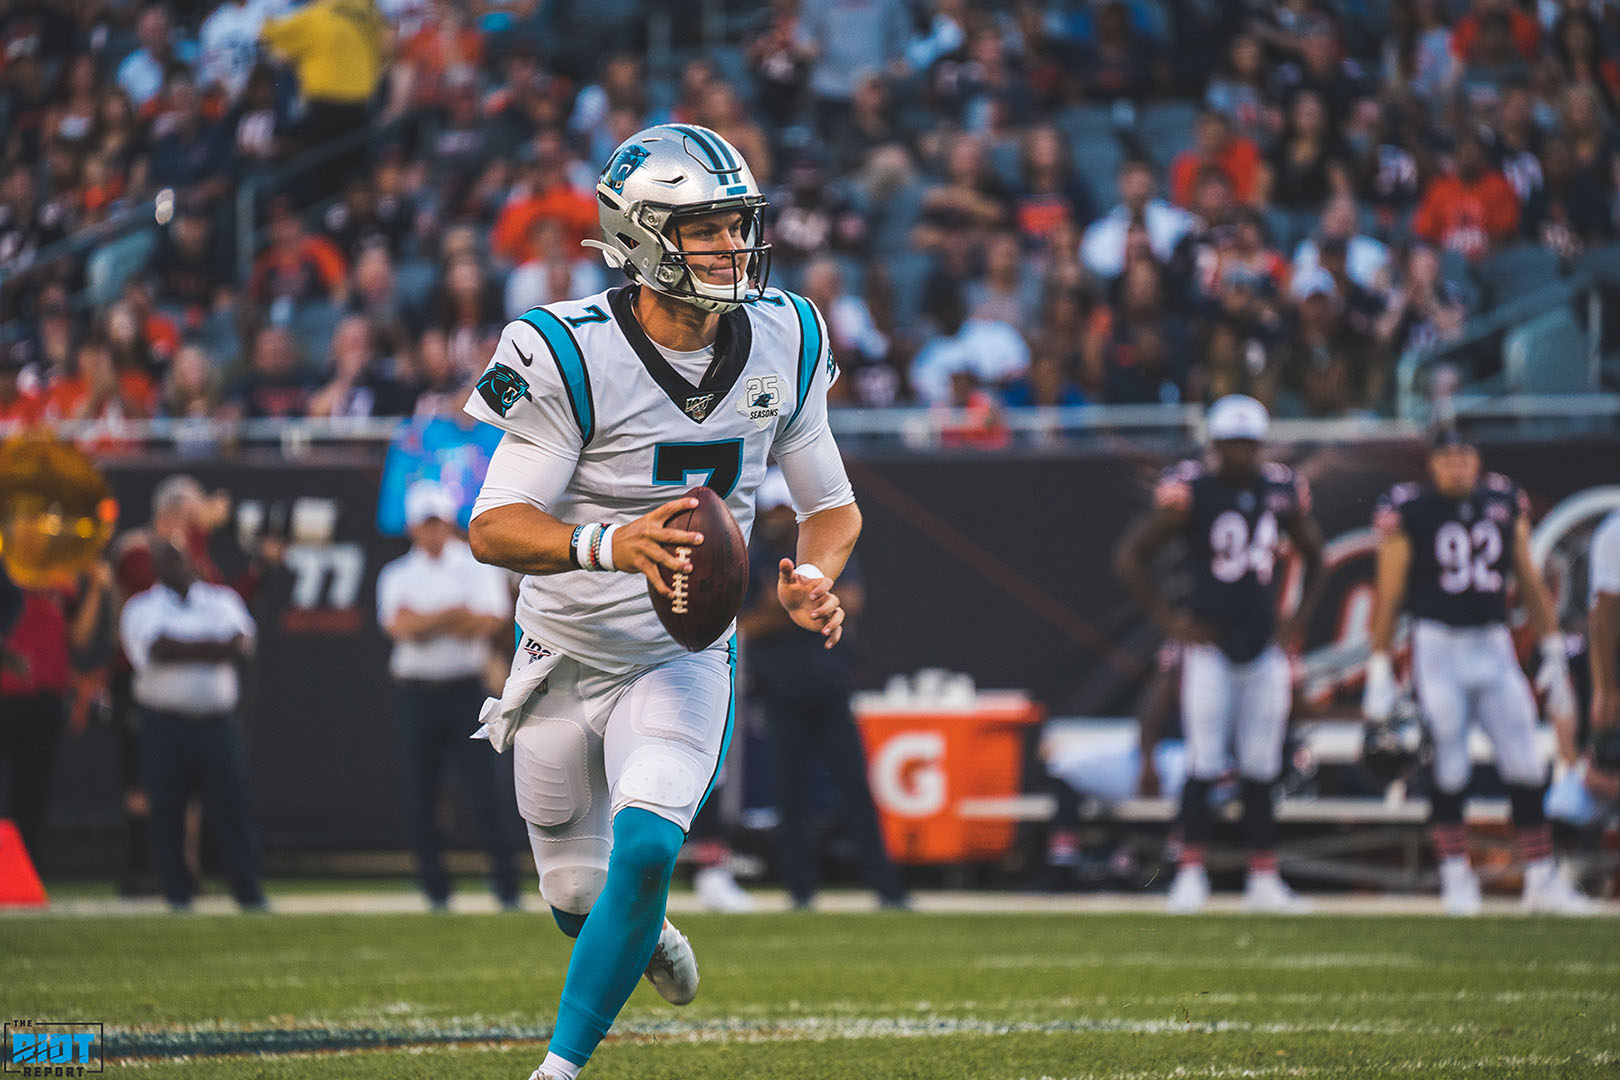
{"points": [[1461, 548], [1233, 539]]}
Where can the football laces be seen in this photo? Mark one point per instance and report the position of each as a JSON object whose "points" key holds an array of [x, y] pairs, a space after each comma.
{"points": [[678, 585]]}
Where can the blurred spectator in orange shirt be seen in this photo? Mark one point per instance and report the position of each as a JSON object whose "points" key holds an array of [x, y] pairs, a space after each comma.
{"points": [[445, 42], [977, 420], [550, 197], [297, 266], [98, 390], [1470, 209], [1218, 146], [1523, 26]]}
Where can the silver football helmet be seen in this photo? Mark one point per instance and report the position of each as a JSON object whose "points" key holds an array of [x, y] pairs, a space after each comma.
{"points": [[657, 178]]}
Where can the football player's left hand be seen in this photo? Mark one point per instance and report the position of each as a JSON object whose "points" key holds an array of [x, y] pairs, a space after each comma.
{"points": [[810, 603]]}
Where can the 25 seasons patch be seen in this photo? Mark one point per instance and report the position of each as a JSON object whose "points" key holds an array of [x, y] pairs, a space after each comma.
{"points": [[761, 400]]}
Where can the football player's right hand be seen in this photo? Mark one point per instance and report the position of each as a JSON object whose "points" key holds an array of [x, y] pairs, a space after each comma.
{"points": [[645, 544], [1185, 628], [1378, 698]]}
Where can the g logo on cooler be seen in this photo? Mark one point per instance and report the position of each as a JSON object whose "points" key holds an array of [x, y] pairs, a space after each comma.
{"points": [[907, 774]]}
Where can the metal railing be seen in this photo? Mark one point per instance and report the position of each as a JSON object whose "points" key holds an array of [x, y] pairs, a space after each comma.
{"points": [[78, 245], [1584, 287], [860, 431], [289, 175]]}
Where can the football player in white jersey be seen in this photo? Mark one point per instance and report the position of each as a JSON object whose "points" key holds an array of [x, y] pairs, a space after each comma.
{"points": [[692, 372]]}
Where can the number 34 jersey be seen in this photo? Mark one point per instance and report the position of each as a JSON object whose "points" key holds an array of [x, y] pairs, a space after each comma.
{"points": [[1233, 537], [581, 380], [1461, 548]]}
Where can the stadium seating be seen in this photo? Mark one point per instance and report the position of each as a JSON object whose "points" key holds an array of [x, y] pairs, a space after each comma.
{"points": [[1517, 271], [111, 265], [1547, 355]]}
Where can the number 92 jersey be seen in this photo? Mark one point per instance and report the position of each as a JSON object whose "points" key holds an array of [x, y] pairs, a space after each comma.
{"points": [[1233, 537], [1461, 548], [581, 380]]}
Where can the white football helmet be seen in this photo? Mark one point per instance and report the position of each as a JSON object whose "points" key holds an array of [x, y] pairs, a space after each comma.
{"points": [[1236, 416], [666, 173]]}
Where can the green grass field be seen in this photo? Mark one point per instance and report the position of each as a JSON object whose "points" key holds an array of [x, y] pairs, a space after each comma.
{"points": [[823, 997]]}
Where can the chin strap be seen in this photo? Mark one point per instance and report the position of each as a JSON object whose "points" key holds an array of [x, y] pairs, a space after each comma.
{"points": [[616, 260]]}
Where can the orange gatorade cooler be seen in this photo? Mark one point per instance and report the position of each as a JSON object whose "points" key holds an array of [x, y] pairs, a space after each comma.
{"points": [[924, 756]]}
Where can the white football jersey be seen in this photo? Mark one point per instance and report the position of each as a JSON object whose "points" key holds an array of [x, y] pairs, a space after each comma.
{"points": [[581, 380]]}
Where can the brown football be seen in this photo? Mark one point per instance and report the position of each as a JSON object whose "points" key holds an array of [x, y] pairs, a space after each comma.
{"points": [[706, 600]]}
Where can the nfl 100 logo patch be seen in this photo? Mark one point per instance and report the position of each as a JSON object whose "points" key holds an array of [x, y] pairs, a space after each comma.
{"points": [[53, 1048]]}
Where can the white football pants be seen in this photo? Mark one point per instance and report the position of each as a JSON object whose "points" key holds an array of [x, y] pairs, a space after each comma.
{"points": [[1464, 674], [1220, 700], [593, 744]]}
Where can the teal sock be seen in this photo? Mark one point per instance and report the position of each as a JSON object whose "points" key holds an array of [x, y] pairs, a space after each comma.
{"points": [[620, 933]]}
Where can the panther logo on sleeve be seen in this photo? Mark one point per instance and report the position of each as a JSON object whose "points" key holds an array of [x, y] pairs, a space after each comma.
{"points": [[501, 388]]}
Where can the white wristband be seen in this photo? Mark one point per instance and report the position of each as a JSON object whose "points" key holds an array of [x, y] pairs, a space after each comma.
{"points": [[808, 571], [582, 545], [605, 556], [1552, 649]]}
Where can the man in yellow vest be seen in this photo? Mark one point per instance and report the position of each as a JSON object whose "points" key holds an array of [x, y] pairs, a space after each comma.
{"points": [[338, 48]]}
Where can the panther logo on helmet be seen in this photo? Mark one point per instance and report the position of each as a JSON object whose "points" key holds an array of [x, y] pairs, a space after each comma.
{"points": [[623, 164], [663, 177]]}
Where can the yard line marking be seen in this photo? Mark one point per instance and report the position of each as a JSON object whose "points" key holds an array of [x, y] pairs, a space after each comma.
{"points": [[1437, 1066], [1279, 962], [203, 1041]]}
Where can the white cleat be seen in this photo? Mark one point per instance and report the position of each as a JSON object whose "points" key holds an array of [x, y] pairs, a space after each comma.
{"points": [[539, 1075], [673, 969], [1268, 893], [717, 890], [1459, 889], [1190, 891], [1548, 892]]}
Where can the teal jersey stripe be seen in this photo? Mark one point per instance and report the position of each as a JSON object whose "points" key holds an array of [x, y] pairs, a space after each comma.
{"points": [[809, 348], [731, 717], [570, 365]]}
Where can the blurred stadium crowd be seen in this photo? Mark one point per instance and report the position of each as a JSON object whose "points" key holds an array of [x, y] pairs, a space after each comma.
{"points": [[995, 204]]}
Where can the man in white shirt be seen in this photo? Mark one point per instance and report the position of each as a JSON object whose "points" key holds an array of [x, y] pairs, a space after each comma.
{"points": [[184, 638], [442, 607], [1102, 249], [229, 46]]}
